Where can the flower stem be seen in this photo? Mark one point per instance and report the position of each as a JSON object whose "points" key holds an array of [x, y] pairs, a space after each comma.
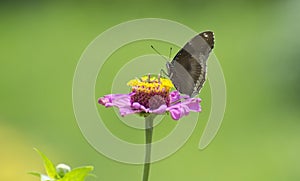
{"points": [[148, 133]]}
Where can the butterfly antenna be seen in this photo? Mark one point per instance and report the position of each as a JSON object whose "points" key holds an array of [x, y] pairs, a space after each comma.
{"points": [[159, 53], [170, 53]]}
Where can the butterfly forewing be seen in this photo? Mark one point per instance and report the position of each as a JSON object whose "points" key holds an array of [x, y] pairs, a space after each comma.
{"points": [[188, 68]]}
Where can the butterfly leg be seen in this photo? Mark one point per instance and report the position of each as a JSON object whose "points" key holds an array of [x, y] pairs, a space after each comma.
{"points": [[162, 72]]}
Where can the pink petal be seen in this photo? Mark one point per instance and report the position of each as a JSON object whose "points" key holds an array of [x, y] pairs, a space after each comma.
{"points": [[118, 100], [140, 107], [175, 114], [161, 110], [174, 96], [184, 107], [128, 110], [136, 105], [194, 104], [178, 111], [121, 101]]}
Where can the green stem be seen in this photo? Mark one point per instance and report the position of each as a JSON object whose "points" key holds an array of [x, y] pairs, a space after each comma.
{"points": [[148, 133]]}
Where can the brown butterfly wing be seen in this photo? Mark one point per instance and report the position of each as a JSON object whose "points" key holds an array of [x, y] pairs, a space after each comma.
{"points": [[189, 65]]}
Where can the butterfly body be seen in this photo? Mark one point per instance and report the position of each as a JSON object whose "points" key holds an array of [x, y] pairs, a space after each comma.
{"points": [[188, 69]]}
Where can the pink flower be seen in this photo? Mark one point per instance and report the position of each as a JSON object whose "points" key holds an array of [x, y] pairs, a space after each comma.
{"points": [[152, 96]]}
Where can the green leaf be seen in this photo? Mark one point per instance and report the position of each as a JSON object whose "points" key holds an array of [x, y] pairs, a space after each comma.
{"points": [[35, 174], [49, 167], [77, 174]]}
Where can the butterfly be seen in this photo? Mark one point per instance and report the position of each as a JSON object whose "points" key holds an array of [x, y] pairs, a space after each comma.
{"points": [[187, 70]]}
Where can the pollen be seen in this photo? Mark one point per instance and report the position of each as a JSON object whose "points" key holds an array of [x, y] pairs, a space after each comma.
{"points": [[150, 91], [153, 83]]}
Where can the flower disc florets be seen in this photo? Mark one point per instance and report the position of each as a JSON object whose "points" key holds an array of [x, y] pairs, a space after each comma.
{"points": [[151, 92]]}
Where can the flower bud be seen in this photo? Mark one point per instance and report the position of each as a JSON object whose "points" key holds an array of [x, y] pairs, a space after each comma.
{"points": [[62, 169]]}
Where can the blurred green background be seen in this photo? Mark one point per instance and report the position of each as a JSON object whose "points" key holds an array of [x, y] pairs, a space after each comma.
{"points": [[257, 45]]}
